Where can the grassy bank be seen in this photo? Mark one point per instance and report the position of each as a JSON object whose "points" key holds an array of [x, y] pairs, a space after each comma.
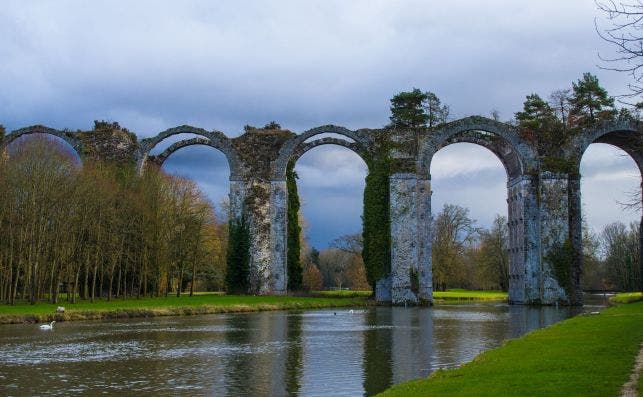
{"points": [[170, 306], [449, 295], [627, 297], [588, 355], [343, 294], [468, 295]]}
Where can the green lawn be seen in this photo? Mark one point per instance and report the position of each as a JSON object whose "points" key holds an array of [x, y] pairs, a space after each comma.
{"points": [[343, 294], [588, 355], [448, 295], [467, 295], [185, 305], [627, 297]]}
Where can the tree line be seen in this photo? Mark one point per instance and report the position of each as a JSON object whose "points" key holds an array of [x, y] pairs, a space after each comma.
{"points": [[101, 231]]}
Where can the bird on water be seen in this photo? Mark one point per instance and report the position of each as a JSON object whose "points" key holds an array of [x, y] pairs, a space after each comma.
{"points": [[47, 326]]}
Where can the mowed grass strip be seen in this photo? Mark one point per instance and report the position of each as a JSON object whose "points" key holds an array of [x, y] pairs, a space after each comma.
{"points": [[343, 294], [468, 295], [185, 305], [627, 297], [588, 355]]}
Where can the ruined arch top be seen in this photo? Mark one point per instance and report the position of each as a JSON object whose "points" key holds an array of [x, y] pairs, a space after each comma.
{"points": [[295, 147], [624, 134], [515, 153], [66, 136], [215, 139]]}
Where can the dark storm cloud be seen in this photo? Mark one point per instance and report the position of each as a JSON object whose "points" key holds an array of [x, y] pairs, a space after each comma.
{"points": [[152, 65]]}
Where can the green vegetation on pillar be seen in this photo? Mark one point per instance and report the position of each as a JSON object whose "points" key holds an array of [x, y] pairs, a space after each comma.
{"points": [[238, 257], [295, 270], [376, 220], [560, 258]]}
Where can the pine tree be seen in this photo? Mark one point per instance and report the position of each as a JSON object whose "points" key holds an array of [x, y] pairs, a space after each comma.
{"points": [[536, 114], [407, 109], [590, 102]]}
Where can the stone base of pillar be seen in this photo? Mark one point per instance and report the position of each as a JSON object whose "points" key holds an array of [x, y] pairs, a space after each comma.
{"points": [[410, 210], [383, 289]]}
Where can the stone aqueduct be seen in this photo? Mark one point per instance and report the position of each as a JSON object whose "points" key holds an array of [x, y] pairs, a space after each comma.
{"points": [[544, 206]]}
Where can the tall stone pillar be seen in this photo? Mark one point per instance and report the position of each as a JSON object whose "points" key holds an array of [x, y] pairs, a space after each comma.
{"points": [[279, 236], [262, 204], [524, 244], [574, 289], [555, 244], [410, 209]]}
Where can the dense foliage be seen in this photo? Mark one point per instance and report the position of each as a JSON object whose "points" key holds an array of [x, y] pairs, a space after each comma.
{"points": [[100, 230], [295, 270], [611, 259], [376, 222], [238, 258], [417, 109], [549, 125]]}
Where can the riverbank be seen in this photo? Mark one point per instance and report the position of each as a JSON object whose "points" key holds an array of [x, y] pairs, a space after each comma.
{"points": [[170, 306], [210, 303], [588, 355]]}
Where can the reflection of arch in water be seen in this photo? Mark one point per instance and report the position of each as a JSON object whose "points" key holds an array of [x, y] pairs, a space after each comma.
{"points": [[66, 136], [215, 139], [296, 147]]}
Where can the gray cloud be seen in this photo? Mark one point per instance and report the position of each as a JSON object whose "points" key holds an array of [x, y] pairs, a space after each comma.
{"points": [[152, 65]]}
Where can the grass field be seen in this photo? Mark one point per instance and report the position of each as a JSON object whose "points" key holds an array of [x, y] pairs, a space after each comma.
{"points": [[588, 355], [627, 297], [439, 296], [467, 295], [210, 302], [185, 305], [343, 294]]}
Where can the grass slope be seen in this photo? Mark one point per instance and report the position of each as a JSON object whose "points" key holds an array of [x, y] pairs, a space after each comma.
{"points": [[185, 305], [582, 356]]}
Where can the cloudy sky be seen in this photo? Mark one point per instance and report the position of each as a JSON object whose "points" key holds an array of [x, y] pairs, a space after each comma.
{"points": [[152, 65]]}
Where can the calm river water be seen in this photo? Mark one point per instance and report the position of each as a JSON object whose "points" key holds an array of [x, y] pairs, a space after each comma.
{"points": [[307, 353]]}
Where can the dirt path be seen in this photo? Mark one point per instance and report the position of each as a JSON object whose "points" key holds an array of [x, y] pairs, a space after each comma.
{"points": [[629, 388]]}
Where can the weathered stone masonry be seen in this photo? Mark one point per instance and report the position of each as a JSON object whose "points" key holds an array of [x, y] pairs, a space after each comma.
{"points": [[544, 210]]}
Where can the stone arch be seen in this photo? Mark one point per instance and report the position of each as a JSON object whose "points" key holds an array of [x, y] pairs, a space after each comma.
{"points": [[159, 159], [305, 147], [294, 148], [503, 140], [41, 129], [215, 139], [624, 134], [520, 161]]}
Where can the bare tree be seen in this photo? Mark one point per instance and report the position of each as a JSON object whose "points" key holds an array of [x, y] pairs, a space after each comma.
{"points": [[625, 34], [559, 101]]}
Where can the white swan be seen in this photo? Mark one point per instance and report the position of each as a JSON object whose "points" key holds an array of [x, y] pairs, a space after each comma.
{"points": [[47, 326]]}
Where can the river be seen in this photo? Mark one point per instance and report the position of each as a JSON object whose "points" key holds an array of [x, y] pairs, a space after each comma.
{"points": [[308, 353]]}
